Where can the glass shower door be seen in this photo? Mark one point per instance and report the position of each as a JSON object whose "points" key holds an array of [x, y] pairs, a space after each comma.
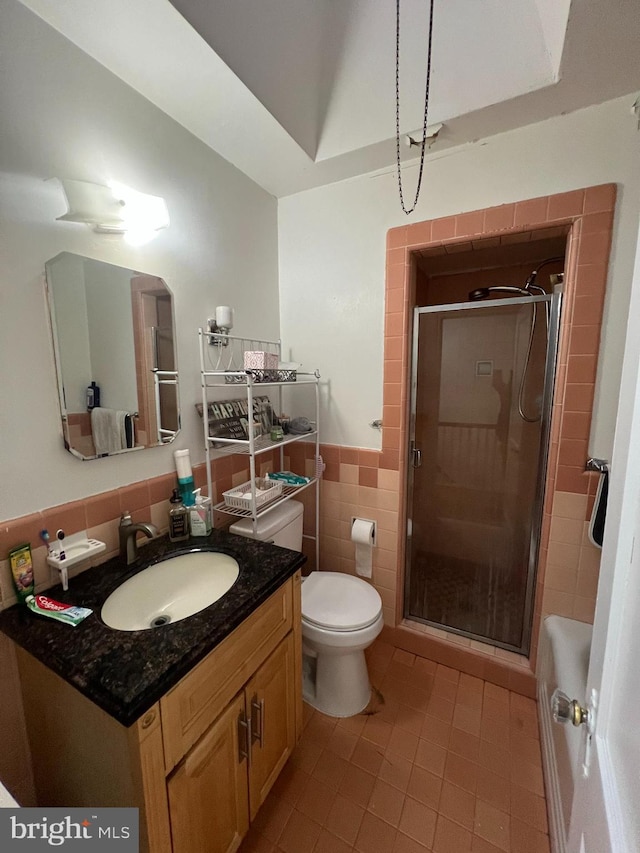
{"points": [[481, 395]]}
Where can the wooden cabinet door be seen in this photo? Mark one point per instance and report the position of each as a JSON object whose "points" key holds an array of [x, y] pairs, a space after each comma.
{"points": [[270, 698], [208, 793]]}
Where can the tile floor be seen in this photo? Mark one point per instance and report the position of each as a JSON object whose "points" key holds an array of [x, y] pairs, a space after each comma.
{"points": [[447, 764]]}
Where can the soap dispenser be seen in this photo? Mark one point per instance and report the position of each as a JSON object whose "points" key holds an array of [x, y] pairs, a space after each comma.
{"points": [[200, 515], [178, 518]]}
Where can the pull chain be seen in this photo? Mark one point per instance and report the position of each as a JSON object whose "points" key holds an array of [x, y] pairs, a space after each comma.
{"points": [[426, 109]]}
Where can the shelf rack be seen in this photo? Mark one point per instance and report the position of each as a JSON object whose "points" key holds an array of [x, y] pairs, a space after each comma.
{"points": [[220, 357]]}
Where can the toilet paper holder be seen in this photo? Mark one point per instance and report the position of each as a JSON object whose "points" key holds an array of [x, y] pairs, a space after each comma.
{"points": [[371, 521]]}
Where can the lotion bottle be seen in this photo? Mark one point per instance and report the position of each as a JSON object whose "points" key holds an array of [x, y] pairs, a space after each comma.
{"points": [[185, 476], [200, 515]]}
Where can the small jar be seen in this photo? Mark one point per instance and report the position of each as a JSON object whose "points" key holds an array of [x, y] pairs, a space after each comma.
{"points": [[178, 519], [276, 433]]}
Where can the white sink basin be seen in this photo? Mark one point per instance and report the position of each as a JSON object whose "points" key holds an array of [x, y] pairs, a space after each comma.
{"points": [[170, 590]]}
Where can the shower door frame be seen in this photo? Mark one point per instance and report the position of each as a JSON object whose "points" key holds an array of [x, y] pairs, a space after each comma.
{"points": [[554, 300]]}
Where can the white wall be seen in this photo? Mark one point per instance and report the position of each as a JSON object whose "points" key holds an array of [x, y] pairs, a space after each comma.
{"points": [[332, 251], [64, 115], [69, 318], [110, 316], [94, 331]]}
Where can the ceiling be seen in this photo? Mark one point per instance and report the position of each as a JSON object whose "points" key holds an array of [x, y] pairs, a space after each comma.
{"points": [[300, 93]]}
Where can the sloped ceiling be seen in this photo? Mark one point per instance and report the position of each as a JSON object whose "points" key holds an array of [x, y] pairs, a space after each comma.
{"points": [[298, 93]]}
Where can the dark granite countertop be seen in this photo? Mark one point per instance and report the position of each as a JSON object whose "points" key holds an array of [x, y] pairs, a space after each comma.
{"points": [[125, 672]]}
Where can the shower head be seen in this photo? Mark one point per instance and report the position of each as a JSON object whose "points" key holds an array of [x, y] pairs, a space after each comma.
{"points": [[529, 289], [484, 292]]}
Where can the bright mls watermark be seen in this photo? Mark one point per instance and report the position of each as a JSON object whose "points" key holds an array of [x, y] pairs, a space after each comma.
{"points": [[79, 830]]}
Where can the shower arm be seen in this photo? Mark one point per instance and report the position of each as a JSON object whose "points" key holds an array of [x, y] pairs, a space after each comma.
{"points": [[599, 465]]}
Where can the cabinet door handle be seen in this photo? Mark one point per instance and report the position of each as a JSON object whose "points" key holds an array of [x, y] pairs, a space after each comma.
{"points": [[244, 737], [257, 707]]}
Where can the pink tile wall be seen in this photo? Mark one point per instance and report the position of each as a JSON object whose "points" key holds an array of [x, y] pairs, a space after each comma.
{"points": [[99, 515]]}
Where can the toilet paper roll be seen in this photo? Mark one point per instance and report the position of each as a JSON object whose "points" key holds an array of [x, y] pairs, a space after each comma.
{"points": [[362, 534]]}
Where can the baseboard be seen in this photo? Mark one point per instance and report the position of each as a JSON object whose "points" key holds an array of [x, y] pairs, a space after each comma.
{"points": [[520, 679]]}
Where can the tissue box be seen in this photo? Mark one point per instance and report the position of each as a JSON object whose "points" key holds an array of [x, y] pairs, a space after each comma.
{"points": [[258, 360]]}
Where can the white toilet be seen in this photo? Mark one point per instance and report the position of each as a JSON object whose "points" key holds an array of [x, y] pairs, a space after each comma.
{"points": [[341, 617]]}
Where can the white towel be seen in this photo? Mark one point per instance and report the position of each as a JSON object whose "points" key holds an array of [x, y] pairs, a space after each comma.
{"points": [[107, 426]]}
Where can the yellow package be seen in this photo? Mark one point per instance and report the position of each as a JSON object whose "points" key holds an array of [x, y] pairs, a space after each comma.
{"points": [[22, 570]]}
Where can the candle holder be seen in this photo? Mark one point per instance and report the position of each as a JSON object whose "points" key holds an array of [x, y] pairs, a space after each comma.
{"points": [[220, 326]]}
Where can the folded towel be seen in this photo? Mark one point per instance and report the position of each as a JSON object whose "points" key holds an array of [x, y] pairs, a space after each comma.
{"points": [[108, 428], [298, 426]]}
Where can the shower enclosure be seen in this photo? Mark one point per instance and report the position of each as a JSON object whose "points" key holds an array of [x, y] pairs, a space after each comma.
{"points": [[482, 385]]}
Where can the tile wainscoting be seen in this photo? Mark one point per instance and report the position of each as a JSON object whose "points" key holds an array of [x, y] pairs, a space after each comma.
{"points": [[100, 514]]}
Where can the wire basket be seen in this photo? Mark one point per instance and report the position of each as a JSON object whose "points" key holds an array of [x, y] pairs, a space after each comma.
{"points": [[261, 376], [240, 496], [287, 375]]}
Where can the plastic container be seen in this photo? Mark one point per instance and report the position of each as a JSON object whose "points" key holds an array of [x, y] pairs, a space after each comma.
{"points": [[200, 515], [240, 496], [185, 476], [93, 396]]}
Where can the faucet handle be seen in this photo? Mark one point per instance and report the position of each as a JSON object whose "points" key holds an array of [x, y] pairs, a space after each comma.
{"points": [[125, 518]]}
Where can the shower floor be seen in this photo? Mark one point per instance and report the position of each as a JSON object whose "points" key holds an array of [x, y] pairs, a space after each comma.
{"points": [[483, 602]]}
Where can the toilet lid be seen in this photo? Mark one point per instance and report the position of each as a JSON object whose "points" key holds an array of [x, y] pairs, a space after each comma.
{"points": [[338, 601]]}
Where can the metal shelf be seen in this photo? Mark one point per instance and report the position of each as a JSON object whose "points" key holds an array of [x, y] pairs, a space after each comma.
{"points": [[247, 379], [227, 352], [261, 444]]}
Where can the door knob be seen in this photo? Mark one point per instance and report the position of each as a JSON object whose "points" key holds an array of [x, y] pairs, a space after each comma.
{"points": [[565, 710]]}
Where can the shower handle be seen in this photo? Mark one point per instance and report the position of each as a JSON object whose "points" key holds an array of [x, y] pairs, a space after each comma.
{"points": [[416, 454]]}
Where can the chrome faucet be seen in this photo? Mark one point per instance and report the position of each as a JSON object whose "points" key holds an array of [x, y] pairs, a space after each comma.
{"points": [[127, 533]]}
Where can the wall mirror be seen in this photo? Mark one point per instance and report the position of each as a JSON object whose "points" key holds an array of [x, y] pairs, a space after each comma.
{"points": [[113, 336]]}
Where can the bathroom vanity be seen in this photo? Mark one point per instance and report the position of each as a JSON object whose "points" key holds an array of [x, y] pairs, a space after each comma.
{"points": [[190, 722]]}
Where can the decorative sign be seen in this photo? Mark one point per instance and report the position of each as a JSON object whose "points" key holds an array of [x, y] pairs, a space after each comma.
{"points": [[230, 418]]}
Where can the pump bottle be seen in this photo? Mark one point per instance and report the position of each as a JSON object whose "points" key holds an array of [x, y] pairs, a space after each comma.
{"points": [[178, 519]]}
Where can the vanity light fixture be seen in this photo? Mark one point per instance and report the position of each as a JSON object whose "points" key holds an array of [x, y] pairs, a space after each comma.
{"points": [[115, 209]]}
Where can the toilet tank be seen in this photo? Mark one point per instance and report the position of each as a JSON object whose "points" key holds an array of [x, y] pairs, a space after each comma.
{"points": [[282, 526]]}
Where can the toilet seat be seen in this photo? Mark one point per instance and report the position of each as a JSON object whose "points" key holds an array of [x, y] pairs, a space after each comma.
{"points": [[339, 602]]}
